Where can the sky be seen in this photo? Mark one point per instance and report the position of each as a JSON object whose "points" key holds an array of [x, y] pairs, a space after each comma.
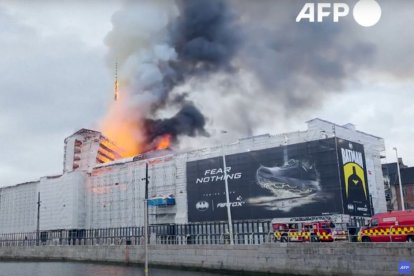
{"points": [[57, 77]]}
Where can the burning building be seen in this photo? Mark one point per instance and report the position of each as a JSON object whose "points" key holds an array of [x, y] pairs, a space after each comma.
{"points": [[86, 148], [327, 169]]}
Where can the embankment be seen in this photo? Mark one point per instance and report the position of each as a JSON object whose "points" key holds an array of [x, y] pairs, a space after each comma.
{"points": [[282, 258]]}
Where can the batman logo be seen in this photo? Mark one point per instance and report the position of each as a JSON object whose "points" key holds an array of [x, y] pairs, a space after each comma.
{"points": [[202, 206]]}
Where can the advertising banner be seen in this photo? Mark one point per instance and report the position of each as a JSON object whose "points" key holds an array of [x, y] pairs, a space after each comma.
{"points": [[354, 178], [287, 181]]}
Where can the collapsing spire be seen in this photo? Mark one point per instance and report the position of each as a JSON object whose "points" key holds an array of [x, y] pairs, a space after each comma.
{"points": [[116, 84]]}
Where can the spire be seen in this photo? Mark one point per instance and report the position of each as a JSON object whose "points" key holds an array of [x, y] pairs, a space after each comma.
{"points": [[116, 84]]}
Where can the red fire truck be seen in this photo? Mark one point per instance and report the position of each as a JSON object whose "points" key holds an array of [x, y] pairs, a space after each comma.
{"points": [[299, 231], [393, 226]]}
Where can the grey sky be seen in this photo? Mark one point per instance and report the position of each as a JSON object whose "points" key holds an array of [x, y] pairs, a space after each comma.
{"points": [[55, 80]]}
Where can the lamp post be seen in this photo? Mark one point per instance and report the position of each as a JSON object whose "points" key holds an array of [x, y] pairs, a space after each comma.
{"points": [[399, 180], [38, 220], [226, 184], [146, 219]]}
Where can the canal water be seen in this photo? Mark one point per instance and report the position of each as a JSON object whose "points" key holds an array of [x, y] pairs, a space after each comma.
{"points": [[86, 269]]}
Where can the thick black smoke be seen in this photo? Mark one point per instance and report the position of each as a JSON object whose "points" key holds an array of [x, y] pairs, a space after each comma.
{"points": [[274, 66], [205, 42], [205, 39], [188, 121], [205, 36]]}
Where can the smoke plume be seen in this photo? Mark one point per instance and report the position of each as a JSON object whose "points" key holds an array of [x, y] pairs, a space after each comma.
{"points": [[247, 62], [204, 37], [188, 121], [160, 45]]}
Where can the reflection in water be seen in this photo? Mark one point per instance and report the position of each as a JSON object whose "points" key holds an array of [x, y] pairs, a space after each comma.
{"points": [[85, 269]]}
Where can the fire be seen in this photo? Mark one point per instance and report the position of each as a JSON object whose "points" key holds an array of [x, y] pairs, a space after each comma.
{"points": [[164, 142], [124, 130], [123, 126]]}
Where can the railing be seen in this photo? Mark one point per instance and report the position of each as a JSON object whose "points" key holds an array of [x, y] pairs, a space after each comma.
{"points": [[201, 233], [251, 232]]}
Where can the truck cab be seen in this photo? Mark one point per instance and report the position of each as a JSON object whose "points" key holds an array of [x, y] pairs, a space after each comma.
{"points": [[393, 226]]}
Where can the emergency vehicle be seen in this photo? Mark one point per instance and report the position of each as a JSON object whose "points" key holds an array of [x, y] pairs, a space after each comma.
{"points": [[285, 230], [393, 226], [341, 232]]}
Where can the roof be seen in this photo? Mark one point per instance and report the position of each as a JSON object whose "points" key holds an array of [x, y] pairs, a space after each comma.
{"points": [[20, 184], [395, 213], [85, 130], [342, 126]]}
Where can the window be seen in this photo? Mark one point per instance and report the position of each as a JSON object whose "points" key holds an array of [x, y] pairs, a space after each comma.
{"points": [[387, 197], [325, 226], [404, 191], [374, 222], [407, 205], [390, 219]]}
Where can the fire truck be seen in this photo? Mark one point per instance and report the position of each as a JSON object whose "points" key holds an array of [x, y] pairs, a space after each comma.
{"points": [[286, 230], [393, 226]]}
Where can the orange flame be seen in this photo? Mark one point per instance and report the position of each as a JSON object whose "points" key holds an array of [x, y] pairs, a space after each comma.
{"points": [[121, 129], [124, 128], [164, 142]]}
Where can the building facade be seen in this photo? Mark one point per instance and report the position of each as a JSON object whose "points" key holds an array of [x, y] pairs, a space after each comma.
{"points": [[300, 173], [393, 188]]}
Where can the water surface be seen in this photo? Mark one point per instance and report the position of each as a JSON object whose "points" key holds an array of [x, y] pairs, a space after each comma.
{"points": [[85, 269]]}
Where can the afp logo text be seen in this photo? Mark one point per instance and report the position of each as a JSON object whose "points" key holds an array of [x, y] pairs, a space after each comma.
{"points": [[366, 13]]}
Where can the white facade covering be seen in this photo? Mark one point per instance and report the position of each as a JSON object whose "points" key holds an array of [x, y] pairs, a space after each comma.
{"points": [[112, 194], [115, 193], [63, 201], [18, 209]]}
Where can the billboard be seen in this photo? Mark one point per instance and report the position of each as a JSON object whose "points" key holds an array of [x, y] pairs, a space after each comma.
{"points": [[290, 180], [354, 178], [305, 179]]}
